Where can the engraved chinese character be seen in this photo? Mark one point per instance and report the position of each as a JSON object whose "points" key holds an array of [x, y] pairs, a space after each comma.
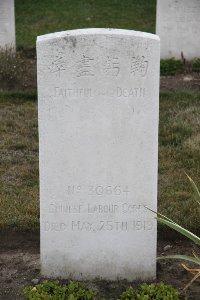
{"points": [[85, 66], [57, 65], [139, 65], [112, 66]]}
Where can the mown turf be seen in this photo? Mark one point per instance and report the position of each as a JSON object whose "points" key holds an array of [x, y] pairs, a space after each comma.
{"points": [[40, 17], [179, 152], [19, 201], [179, 134]]}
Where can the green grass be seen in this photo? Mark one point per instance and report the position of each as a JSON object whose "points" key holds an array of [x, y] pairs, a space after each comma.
{"points": [[179, 112], [170, 67], [19, 201], [178, 153], [179, 149], [40, 17], [17, 71]]}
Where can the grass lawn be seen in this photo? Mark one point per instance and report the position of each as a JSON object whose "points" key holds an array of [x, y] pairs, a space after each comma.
{"points": [[40, 17], [179, 134], [19, 202], [178, 153]]}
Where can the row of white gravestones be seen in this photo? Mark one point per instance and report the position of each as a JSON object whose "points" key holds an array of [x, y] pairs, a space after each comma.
{"points": [[98, 98], [178, 26], [7, 24]]}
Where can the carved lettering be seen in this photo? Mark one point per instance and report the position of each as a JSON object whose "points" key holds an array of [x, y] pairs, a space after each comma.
{"points": [[85, 66], [136, 92], [73, 189], [109, 225], [132, 208], [103, 209], [78, 225], [130, 92], [53, 226], [138, 65], [63, 208], [111, 66], [98, 190], [57, 65], [142, 225], [135, 225], [72, 92]]}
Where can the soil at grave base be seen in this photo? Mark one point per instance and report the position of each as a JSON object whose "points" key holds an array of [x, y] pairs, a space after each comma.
{"points": [[19, 265], [185, 81]]}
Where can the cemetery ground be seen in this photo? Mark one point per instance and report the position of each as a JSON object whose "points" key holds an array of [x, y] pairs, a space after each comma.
{"points": [[19, 263], [19, 185]]}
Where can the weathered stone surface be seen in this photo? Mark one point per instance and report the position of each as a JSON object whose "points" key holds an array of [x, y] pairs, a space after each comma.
{"points": [[178, 26], [98, 92], [7, 24]]}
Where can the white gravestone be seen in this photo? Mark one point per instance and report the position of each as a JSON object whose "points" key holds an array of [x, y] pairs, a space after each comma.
{"points": [[178, 26], [7, 24], [98, 97]]}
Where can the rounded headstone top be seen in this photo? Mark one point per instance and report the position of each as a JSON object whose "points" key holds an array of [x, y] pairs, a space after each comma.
{"points": [[96, 31]]}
